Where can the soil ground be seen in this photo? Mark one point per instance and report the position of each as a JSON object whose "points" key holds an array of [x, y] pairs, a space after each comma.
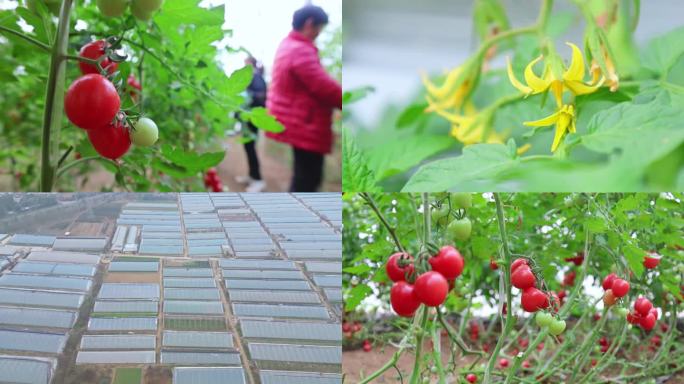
{"points": [[357, 364]]}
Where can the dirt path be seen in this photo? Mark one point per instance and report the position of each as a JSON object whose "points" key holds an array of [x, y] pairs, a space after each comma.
{"points": [[276, 167]]}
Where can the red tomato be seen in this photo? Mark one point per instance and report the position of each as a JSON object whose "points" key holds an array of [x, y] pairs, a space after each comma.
{"points": [[569, 278], [134, 87], [603, 341], [597, 316], [654, 312], [403, 299], [111, 141], [655, 340], [503, 363], [577, 260], [533, 300], [431, 288], [526, 364], [620, 287], [648, 322], [94, 50], [523, 278], [608, 281], [493, 265], [367, 347], [562, 294], [91, 102], [633, 318], [346, 327], [651, 260], [517, 263], [448, 261], [133, 82], [357, 327], [399, 266], [471, 378], [643, 306]]}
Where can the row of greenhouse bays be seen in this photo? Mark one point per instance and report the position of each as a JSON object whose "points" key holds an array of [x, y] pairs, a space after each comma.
{"points": [[208, 236], [40, 297], [125, 319]]}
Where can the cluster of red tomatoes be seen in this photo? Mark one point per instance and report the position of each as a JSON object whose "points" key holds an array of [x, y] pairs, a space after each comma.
{"points": [[644, 314], [93, 104], [615, 288], [211, 180], [523, 278], [430, 288]]}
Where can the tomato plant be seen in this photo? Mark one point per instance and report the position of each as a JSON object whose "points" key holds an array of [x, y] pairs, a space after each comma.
{"points": [[105, 64], [570, 300], [557, 101]]}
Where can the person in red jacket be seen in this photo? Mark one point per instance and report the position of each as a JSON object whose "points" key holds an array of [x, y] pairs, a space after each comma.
{"points": [[302, 96]]}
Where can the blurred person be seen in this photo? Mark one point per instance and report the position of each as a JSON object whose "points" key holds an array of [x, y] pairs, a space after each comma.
{"points": [[302, 96], [257, 98]]}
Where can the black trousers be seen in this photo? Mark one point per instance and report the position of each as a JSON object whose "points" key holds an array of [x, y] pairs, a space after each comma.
{"points": [[252, 159], [308, 171]]}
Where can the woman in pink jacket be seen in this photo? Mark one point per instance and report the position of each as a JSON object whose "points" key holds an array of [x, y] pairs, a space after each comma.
{"points": [[302, 96]]}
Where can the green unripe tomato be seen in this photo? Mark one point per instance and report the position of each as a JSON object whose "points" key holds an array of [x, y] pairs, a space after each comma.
{"points": [[148, 6], [557, 327], [140, 14], [460, 229], [621, 312], [461, 200], [439, 213], [145, 132], [112, 8], [543, 319]]}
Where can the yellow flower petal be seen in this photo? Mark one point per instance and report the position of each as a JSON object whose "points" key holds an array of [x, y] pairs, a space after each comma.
{"points": [[560, 131], [537, 84], [454, 118], [579, 88], [443, 91], [576, 70], [557, 90], [517, 84], [549, 120]]}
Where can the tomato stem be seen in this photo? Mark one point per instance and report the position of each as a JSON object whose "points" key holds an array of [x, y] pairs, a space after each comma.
{"points": [[508, 326], [27, 38], [54, 98], [369, 200]]}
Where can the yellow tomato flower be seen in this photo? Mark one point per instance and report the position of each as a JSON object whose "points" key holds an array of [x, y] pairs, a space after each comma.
{"points": [[470, 129], [447, 95], [612, 79], [572, 79], [564, 119]]}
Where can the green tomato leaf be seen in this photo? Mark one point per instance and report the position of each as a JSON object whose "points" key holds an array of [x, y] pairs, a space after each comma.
{"points": [[356, 177], [263, 120], [473, 170], [355, 296]]}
